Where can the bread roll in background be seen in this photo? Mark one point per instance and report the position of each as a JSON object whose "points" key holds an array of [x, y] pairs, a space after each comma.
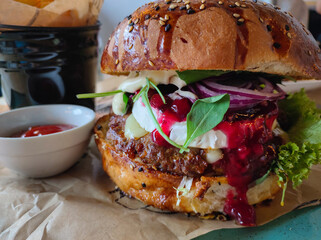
{"points": [[50, 13]]}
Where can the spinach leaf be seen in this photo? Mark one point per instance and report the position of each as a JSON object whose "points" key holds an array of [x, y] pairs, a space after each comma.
{"points": [[191, 76], [205, 114]]}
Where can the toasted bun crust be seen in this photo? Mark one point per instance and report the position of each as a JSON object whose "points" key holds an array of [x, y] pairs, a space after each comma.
{"points": [[235, 35], [155, 188]]}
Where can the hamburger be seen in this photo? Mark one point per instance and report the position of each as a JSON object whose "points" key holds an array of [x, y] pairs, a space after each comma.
{"points": [[201, 124]]}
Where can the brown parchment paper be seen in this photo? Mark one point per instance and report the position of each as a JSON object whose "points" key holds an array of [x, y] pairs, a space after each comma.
{"points": [[82, 203], [59, 13]]}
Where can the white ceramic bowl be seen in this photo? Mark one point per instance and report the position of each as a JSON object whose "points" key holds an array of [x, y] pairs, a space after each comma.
{"points": [[46, 155]]}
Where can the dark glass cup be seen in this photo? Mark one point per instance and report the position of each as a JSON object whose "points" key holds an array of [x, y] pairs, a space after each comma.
{"points": [[40, 65]]}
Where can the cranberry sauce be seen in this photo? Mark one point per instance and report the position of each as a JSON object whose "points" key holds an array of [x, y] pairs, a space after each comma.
{"points": [[238, 208], [251, 150], [170, 113]]}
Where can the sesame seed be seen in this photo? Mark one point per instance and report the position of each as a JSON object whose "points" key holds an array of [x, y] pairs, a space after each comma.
{"points": [[319, 50], [136, 21], [302, 24], [187, 2], [147, 17], [167, 27], [143, 185], [261, 20], [162, 22], [166, 17], [220, 2], [232, 6], [131, 28], [202, 7], [188, 6], [96, 136], [151, 63], [182, 8], [306, 31], [190, 11], [131, 166], [117, 61], [129, 22], [289, 35], [290, 14], [310, 53], [276, 45], [162, 19], [287, 27], [236, 15], [277, 8], [237, 4], [157, 8], [269, 28], [155, 168], [131, 46], [155, 16], [264, 3], [129, 17], [99, 127], [172, 6], [243, 6], [140, 169], [241, 20], [179, 1], [203, 1]]}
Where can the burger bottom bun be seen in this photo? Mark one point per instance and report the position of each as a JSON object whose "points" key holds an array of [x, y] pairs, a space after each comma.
{"points": [[158, 189]]}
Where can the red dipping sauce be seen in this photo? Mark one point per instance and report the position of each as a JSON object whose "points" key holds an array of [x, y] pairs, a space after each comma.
{"points": [[36, 131]]}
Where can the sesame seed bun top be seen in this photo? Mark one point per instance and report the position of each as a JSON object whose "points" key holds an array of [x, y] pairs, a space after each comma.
{"points": [[241, 35]]}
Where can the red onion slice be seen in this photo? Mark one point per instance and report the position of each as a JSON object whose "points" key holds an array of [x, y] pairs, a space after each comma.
{"points": [[242, 91]]}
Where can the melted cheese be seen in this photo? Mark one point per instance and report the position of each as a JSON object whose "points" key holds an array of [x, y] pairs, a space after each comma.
{"points": [[119, 107], [136, 81], [133, 129]]}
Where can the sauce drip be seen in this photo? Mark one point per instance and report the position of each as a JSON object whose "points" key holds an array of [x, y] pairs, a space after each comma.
{"points": [[36, 131]]}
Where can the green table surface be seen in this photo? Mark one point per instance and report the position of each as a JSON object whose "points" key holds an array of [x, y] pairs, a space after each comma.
{"points": [[300, 224]]}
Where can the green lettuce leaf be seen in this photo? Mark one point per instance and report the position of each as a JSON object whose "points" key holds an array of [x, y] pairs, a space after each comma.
{"points": [[295, 161], [303, 123], [304, 117]]}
